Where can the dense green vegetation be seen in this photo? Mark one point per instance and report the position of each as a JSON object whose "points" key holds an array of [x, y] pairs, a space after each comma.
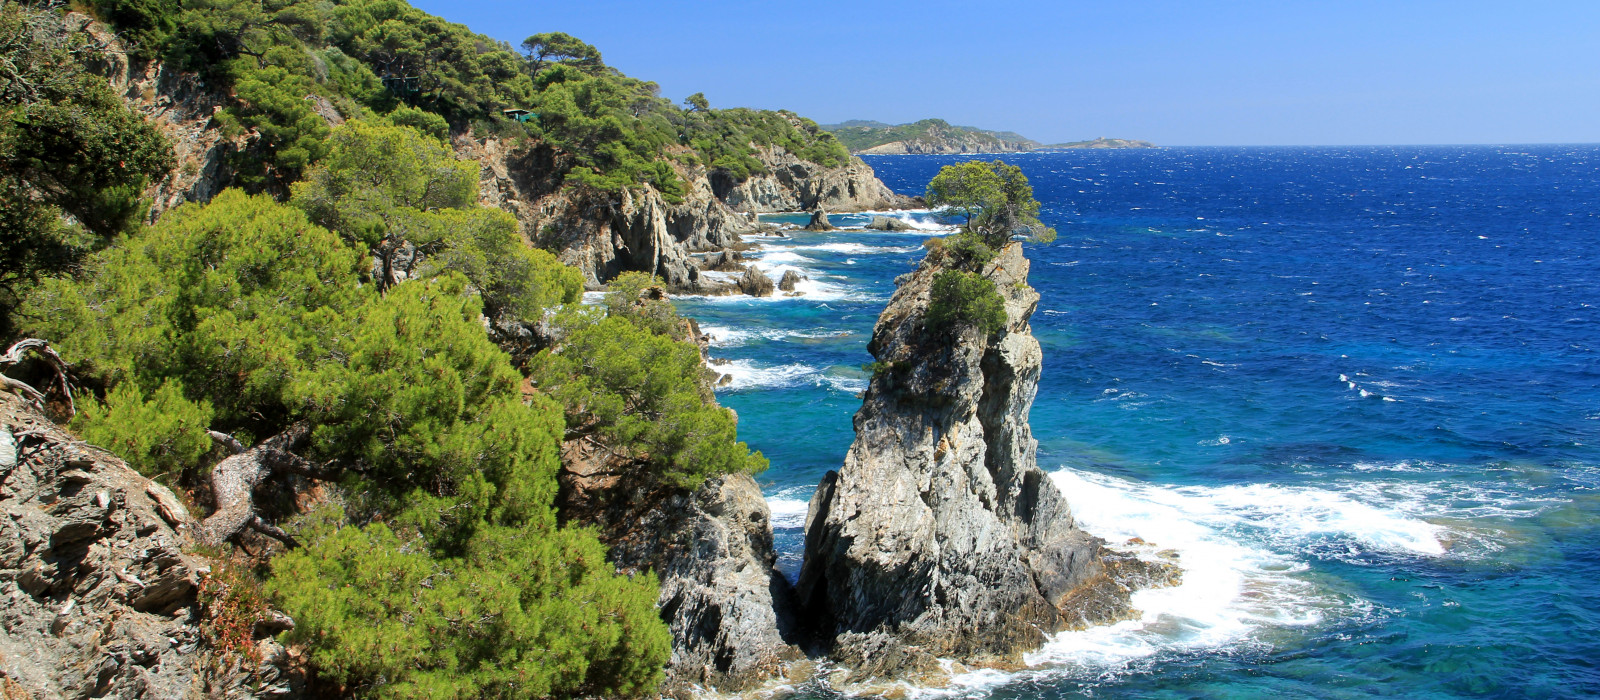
{"points": [[344, 290], [994, 202], [959, 298], [246, 317], [73, 160], [860, 135], [369, 57], [627, 381]]}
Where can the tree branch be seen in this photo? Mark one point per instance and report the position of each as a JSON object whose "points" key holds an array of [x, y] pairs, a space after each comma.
{"points": [[226, 441], [42, 348]]}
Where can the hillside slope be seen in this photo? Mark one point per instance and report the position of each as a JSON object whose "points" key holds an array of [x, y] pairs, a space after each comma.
{"points": [[936, 136]]}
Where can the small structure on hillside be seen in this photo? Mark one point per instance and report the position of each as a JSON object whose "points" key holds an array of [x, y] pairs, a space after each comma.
{"points": [[520, 115]]}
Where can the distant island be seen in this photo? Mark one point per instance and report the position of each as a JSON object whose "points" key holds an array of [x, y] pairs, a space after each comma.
{"points": [[938, 136]]}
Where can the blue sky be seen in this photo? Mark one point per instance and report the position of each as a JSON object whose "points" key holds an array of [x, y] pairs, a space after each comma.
{"points": [[1176, 73]]}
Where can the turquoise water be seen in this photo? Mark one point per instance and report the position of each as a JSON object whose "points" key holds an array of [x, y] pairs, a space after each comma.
{"points": [[1357, 388]]}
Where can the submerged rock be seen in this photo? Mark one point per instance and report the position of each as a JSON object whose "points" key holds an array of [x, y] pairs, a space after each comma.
{"points": [[889, 223], [940, 536]]}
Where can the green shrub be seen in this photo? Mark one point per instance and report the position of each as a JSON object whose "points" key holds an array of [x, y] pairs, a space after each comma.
{"points": [[449, 577], [646, 393], [511, 616], [158, 435], [963, 298]]}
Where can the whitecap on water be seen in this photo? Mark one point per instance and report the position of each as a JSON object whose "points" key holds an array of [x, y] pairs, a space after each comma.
{"points": [[789, 507], [749, 375], [725, 337], [1241, 549]]}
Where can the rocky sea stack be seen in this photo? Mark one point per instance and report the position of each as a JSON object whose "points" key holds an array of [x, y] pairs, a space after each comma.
{"points": [[940, 537]]}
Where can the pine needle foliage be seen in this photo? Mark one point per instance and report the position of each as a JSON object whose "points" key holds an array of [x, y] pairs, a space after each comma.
{"points": [[959, 298], [449, 576]]}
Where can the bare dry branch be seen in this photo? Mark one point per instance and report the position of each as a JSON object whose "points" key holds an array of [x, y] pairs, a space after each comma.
{"points": [[42, 348]]}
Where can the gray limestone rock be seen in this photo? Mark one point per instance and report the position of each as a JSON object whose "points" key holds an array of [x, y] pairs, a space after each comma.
{"points": [[97, 595], [726, 605], [756, 283], [819, 221], [940, 532]]}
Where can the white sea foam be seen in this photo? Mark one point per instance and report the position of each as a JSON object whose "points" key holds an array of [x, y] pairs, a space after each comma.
{"points": [[850, 248], [849, 385], [750, 375], [789, 508], [1238, 549], [725, 337], [774, 257]]}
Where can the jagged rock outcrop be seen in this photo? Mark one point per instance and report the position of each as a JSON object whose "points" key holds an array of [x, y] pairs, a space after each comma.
{"points": [[819, 221], [177, 103], [940, 536], [606, 233], [726, 605], [789, 280], [97, 595], [756, 283]]}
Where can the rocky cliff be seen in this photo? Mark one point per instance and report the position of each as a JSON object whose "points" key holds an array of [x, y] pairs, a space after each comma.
{"points": [[98, 595], [728, 608], [604, 234], [940, 536], [791, 184]]}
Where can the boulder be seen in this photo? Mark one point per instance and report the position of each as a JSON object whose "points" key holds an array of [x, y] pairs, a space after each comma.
{"points": [[940, 536], [789, 280], [756, 283], [889, 223], [819, 221]]}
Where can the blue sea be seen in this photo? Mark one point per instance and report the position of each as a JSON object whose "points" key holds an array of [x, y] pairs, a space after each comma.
{"points": [[1358, 390]]}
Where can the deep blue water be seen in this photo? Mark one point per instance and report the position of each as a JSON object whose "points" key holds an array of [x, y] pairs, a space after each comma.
{"points": [[1357, 388]]}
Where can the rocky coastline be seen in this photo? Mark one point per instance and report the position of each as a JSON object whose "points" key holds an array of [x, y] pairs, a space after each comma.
{"points": [[938, 539]]}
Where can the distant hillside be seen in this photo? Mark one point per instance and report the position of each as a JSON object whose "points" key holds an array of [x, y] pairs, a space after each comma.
{"points": [[1101, 142], [926, 136], [938, 136]]}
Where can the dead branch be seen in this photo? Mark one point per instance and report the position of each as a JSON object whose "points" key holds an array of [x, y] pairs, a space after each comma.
{"points": [[226, 442], [42, 348], [260, 525]]}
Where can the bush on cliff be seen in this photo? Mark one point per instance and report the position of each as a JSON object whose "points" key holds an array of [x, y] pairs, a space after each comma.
{"points": [[246, 310], [964, 298], [421, 218], [645, 393]]}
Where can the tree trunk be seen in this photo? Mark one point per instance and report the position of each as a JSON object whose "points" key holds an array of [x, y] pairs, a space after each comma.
{"points": [[235, 479]]}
